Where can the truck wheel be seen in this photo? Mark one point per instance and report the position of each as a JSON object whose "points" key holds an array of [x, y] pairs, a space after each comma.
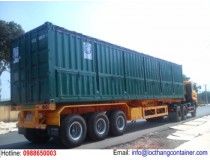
{"points": [[176, 115], [36, 136], [118, 123], [98, 126], [193, 114], [73, 131], [184, 112]]}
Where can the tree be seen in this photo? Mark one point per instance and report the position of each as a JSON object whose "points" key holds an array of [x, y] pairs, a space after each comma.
{"points": [[195, 86], [8, 32], [185, 78], [202, 97]]}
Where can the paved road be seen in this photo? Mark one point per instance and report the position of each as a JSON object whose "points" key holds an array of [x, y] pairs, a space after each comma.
{"points": [[134, 130]]}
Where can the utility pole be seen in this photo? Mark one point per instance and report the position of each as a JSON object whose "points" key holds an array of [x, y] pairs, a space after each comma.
{"points": [[206, 94]]}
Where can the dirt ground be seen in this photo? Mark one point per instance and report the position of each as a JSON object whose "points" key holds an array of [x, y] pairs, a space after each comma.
{"points": [[156, 140]]}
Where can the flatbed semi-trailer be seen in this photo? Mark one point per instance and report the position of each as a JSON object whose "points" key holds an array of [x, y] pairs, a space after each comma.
{"points": [[69, 85]]}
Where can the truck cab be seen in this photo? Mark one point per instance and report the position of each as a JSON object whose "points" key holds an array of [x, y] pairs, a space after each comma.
{"points": [[191, 97]]}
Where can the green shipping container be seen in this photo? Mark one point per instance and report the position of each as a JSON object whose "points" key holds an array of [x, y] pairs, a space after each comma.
{"points": [[52, 64]]}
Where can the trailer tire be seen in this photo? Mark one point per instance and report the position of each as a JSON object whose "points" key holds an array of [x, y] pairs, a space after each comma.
{"points": [[118, 123], [73, 130], [36, 136], [98, 126]]}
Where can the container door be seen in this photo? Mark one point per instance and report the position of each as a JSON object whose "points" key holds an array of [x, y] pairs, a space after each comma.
{"points": [[29, 68], [18, 77], [37, 66]]}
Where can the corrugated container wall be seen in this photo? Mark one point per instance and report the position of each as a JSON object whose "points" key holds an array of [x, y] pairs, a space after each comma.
{"points": [[52, 64]]}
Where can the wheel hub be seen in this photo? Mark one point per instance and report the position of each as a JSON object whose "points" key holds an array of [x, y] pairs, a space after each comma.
{"points": [[101, 126], [75, 131], [120, 122]]}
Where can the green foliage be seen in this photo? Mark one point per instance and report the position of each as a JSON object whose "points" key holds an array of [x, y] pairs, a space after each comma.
{"points": [[185, 78], [8, 32], [196, 87]]}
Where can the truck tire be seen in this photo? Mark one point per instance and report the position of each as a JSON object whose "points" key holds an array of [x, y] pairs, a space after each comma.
{"points": [[118, 123], [193, 114], [36, 136], [184, 112], [98, 126], [73, 130], [176, 115]]}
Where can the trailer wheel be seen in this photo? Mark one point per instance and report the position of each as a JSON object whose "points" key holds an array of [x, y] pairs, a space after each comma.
{"points": [[118, 123], [184, 112], [73, 131], [36, 136], [98, 126]]}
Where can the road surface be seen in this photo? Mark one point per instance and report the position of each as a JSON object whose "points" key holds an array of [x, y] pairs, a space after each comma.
{"points": [[134, 130]]}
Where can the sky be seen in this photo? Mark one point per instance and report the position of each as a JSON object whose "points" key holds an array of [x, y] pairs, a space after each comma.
{"points": [[174, 30]]}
